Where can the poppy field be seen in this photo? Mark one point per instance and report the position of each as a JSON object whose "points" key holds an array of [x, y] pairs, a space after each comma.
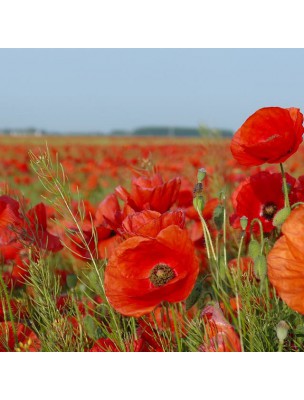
{"points": [[128, 244]]}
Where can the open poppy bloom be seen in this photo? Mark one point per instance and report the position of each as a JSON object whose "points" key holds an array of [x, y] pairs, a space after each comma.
{"points": [[286, 261], [143, 272], [220, 335], [149, 223], [26, 339], [37, 232], [270, 135], [150, 193], [261, 196]]}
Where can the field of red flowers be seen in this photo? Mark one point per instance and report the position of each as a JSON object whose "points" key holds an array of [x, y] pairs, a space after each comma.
{"points": [[155, 245]]}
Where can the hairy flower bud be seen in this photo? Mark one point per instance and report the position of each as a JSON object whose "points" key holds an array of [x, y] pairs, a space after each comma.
{"points": [[281, 216]]}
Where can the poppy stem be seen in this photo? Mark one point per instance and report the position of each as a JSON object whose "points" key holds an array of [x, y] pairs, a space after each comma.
{"points": [[256, 220], [207, 235], [240, 250], [280, 347], [9, 308], [286, 197]]}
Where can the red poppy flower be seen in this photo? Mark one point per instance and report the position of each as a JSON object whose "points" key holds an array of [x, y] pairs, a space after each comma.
{"points": [[17, 308], [260, 196], [270, 135], [220, 335], [143, 272], [150, 193], [165, 319], [26, 339], [135, 345], [149, 223], [37, 232], [246, 265], [286, 261], [9, 211]]}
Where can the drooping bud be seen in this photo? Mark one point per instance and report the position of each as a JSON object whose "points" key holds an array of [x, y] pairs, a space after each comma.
{"points": [[244, 222], [260, 267], [201, 174], [254, 249], [282, 331], [281, 216]]}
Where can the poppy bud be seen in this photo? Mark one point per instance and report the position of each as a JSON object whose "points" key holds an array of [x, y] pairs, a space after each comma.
{"points": [[281, 216], [260, 267], [244, 222], [199, 203], [254, 249], [201, 174], [282, 331]]}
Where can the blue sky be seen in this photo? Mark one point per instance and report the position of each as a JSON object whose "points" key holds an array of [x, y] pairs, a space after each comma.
{"points": [[104, 89]]}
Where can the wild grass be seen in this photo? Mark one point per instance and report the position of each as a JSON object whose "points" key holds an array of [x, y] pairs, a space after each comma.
{"points": [[255, 319]]}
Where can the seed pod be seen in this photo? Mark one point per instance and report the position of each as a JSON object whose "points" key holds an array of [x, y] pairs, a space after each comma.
{"points": [[282, 331], [244, 222], [201, 174]]}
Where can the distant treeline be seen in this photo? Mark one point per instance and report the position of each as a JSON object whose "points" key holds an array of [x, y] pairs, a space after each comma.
{"points": [[175, 132], [145, 131]]}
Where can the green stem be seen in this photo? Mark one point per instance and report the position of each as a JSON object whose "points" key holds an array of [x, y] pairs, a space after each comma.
{"points": [[224, 233], [297, 204], [9, 308], [207, 235], [286, 197], [256, 220], [240, 250]]}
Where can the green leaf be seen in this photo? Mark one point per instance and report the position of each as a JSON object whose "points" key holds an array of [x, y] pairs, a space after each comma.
{"points": [[91, 327], [71, 281], [195, 294]]}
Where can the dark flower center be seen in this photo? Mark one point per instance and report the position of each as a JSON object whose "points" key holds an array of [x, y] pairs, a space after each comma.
{"points": [[269, 210], [161, 274]]}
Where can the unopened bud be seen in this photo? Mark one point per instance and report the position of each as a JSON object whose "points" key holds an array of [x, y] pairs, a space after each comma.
{"points": [[254, 249], [260, 267], [282, 331], [201, 174], [244, 222], [281, 216], [199, 203]]}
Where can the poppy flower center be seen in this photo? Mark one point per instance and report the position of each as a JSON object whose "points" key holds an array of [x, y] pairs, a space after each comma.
{"points": [[269, 210], [161, 274]]}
